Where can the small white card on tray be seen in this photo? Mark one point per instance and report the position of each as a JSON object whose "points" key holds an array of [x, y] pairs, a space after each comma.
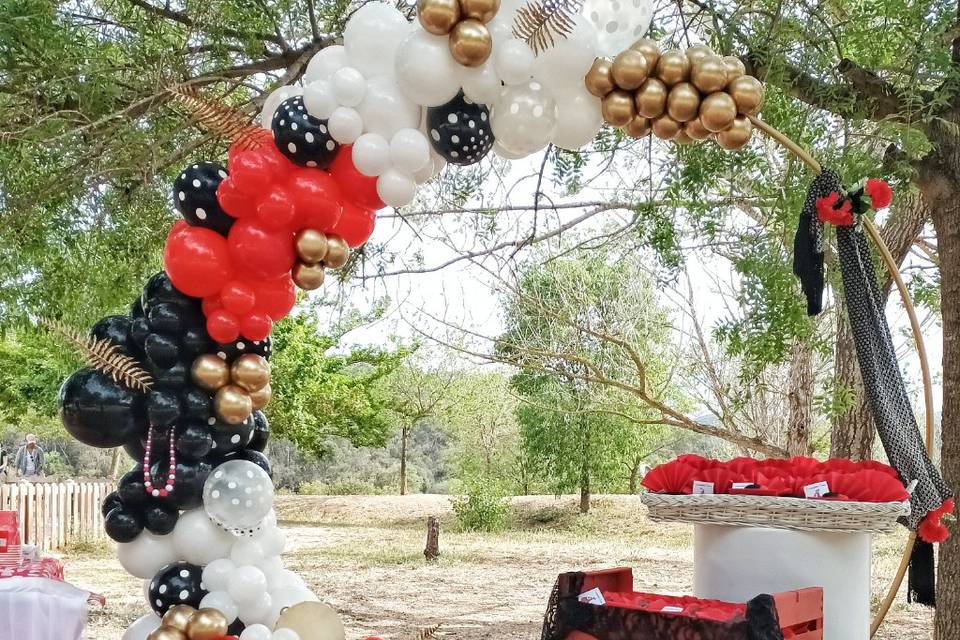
{"points": [[817, 489], [702, 488], [592, 597]]}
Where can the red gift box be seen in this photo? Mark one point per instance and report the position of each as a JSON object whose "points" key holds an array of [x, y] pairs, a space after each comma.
{"points": [[11, 554]]}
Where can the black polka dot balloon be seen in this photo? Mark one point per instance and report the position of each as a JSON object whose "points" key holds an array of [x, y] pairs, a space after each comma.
{"points": [[177, 583], [233, 350], [301, 137], [195, 196], [460, 131]]}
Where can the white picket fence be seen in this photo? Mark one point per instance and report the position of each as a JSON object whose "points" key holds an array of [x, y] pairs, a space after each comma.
{"points": [[53, 514]]}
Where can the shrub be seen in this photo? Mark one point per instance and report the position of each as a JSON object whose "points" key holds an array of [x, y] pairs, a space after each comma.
{"points": [[482, 509]]}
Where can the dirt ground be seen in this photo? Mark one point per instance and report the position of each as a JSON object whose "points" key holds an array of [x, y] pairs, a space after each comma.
{"points": [[363, 555]]}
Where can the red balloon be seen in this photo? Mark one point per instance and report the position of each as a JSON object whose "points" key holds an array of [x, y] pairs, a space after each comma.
{"points": [[234, 202], [355, 225], [275, 297], [317, 198], [256, 326], [197, 260], [277, 209], [238, 297], [210, 304], [259, 252], [253, 171], [356, 187], [223, 326]]}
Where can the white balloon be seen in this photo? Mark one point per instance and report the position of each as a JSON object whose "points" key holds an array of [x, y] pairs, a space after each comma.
{"points": [[514, 62], [385, 109], [287, 597], [372, 35], [271, 564], [371, 154], [345, 125], [256, 632], [580, 113], [409, 150], [246, 551], [276, 577], [619, 23], [319, 99], [273, 101], [257, 612], [507, 154], [222, 602], [426, 71], [217, 574], [238, 495], [349, 86], [425, 174], [146, 554], [396, 189], [273, 541], [481, 84], [247, 585], [142, 627], [285, 634], [325, 63], [565, 64], [198, 540], [501, 27], [524, 118]]}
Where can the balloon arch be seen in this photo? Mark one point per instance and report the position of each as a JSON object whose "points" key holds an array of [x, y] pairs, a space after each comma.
{"points": [[181, 380]]}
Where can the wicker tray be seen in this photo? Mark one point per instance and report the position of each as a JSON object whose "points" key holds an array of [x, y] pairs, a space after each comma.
{"points": [[778, 513]]}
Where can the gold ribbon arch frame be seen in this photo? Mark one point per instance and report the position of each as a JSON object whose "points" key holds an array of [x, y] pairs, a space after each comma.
{"points": [[894, 270]]}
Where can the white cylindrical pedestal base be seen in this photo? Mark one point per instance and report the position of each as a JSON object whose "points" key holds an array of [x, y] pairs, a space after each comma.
{"points": [[738, 563]]}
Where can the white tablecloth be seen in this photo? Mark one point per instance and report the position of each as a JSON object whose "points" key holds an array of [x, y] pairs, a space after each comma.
{"points": [[41, 609]]}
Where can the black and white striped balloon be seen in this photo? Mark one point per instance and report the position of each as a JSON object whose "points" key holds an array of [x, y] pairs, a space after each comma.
{"points": [[195, 197], [460, 131], [303, 139]]}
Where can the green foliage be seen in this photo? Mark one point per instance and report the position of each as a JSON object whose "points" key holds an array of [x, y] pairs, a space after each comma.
{"points": [[483, 508]]}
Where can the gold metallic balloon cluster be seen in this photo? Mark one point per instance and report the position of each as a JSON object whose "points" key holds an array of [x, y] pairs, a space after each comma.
{"points": [[317, 251], [465, 21], [183, 622], [240, 389], [684, 96]]}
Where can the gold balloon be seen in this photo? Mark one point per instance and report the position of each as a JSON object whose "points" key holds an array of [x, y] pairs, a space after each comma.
{"points": [[261, 397], [683, 138], [471, 43], [312, 621], [338, 252], [207, 624], [233, 404], [311, 246], [178, 616], [747, 92], [665, 127], [438, 16], [618, 108], [737, 136], [673, 67], [629, 70], [308, 276], [735, 67], [651, 98], [210, 372], [696, 131], [717, 111], [250, 372], [683, 103], [167, 633], [698, 52], [599, 80], [650, 50], [639, 127], [709, 74], [482, 10]]}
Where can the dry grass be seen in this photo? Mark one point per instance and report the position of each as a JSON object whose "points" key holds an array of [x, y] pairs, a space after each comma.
{"points": [[364, 556]]}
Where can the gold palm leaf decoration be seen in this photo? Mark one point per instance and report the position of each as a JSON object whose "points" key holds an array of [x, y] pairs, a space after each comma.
{"points": [[219, 119], [428, 634], [104, 355], [541, 22]]}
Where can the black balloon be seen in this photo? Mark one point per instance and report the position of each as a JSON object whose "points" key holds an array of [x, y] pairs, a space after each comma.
{"points": [[177, 583], [196, 404], [159, 289], [111, 502], [135, 449], [195, 196], [163, 408], [195, 441], [304, 139], [231, 437], [195, 341], [261, 432], [188, 490], [163, 351], [460, 131], [236, 628], [166, 318], [233, 350], [123, 524], [249, 455], [136, 308], [115, 329], [100, 412], [177, 376], [131, 489], [160, 519], [139, 332]]}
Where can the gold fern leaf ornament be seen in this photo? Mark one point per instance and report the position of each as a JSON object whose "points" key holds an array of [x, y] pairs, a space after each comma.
{"points": [[220, 119], [105, 356], [430, 633], [541, 23]]}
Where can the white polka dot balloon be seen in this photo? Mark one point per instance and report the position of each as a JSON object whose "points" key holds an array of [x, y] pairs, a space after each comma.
{"points": [[619, 23], [238, 495], [524, 118]]}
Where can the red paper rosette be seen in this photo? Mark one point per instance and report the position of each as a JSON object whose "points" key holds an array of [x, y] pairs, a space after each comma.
{"points": [[673, 477], [721, 478]]}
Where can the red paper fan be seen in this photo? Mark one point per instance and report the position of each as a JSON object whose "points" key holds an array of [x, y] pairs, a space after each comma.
{"points": [[721, 478], [763, 486], [840, 465], [864, 486], [802, 466], [873, 465], [695, 461], [673, 477], [743, 465]]}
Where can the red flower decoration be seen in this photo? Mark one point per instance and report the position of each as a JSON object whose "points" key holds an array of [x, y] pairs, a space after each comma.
{"points": [[829, 212], [932, 528], [881, 195]]}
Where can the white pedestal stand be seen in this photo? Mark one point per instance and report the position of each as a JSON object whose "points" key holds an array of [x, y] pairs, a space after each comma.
{"points": [[738, 563]]}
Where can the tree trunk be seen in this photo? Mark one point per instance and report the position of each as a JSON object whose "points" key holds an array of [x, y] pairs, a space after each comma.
{"points": [[635, 477], [585, 468], [116, 457], [853, 431], [432, 550], [800, 422], [404, 436]]}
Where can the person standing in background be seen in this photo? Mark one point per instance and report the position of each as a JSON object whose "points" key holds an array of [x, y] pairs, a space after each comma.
{"points": [[29, 461], [4, 460]]}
